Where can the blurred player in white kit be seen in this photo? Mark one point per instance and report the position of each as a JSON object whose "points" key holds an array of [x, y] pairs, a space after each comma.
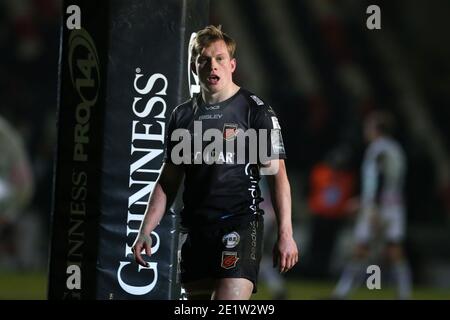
{"points": [[382, 212], [19, 232]]}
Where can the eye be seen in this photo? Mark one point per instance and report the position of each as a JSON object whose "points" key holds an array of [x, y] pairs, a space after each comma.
{"points": [[201, 60]]}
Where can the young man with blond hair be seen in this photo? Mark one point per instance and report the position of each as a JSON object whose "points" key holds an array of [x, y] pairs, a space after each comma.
{"points": [[221, 215]]}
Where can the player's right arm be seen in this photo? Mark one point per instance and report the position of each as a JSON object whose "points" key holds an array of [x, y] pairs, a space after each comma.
{"points": [[163, 194]]}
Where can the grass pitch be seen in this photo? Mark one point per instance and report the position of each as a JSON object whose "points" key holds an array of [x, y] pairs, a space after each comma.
{"points": [[33, 286]]}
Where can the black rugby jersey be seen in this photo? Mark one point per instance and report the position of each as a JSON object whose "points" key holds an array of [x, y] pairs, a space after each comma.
{"points": [[226, 189]]}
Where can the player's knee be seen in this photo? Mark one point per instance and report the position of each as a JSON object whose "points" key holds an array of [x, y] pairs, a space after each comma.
{"points": [[233, 289]]}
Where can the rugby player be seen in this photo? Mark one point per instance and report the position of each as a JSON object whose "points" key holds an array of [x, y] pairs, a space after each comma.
{"points": [[221, 215], [382, 216]]}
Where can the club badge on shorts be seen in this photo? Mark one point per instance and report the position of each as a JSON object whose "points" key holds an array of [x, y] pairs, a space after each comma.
{"points": [[231, 240], [229, 259]]}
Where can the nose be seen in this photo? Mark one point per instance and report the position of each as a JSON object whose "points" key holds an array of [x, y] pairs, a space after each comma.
{"points": [[213, 64]]}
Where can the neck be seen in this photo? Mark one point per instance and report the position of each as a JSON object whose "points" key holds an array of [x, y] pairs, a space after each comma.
{"points": [[220, 96]]}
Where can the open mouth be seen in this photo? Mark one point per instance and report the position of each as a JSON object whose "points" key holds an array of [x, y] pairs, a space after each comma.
{"points": [[213, 79]]}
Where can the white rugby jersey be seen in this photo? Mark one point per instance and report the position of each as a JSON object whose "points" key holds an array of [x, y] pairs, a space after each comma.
{"points": [[383, 174]]}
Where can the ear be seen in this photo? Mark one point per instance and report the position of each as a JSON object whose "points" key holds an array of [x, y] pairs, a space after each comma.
{"points": [[193, 68], [233, 63]]}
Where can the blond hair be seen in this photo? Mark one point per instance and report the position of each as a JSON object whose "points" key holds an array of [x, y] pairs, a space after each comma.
{"points": [[209, 35]]}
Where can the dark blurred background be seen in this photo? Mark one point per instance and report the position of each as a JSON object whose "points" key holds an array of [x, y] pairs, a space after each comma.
{"points": [[321, 69]]}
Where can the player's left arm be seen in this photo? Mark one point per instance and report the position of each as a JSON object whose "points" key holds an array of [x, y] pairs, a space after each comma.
{"points": [[285, 252]]}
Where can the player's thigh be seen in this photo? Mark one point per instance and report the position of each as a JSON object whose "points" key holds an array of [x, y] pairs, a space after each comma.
{"points": [[195, 259], [233, 289], [239, 251]]}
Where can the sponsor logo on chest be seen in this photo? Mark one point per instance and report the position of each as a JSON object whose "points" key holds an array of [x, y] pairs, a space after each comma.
{"points": [[215, 116]]}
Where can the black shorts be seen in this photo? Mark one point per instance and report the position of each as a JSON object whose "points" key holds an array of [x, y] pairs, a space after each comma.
{"points": [[232, 251]]}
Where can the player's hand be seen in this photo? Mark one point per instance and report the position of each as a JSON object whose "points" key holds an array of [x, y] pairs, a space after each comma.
{"points": [[285, 253], [142, 242]]}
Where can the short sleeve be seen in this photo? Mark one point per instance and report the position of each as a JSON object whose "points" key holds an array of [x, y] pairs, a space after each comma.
{"points": [[265, 118]]}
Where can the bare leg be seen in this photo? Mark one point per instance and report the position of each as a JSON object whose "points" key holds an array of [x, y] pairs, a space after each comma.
{"points": [[233, 289], [352, 274]]}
